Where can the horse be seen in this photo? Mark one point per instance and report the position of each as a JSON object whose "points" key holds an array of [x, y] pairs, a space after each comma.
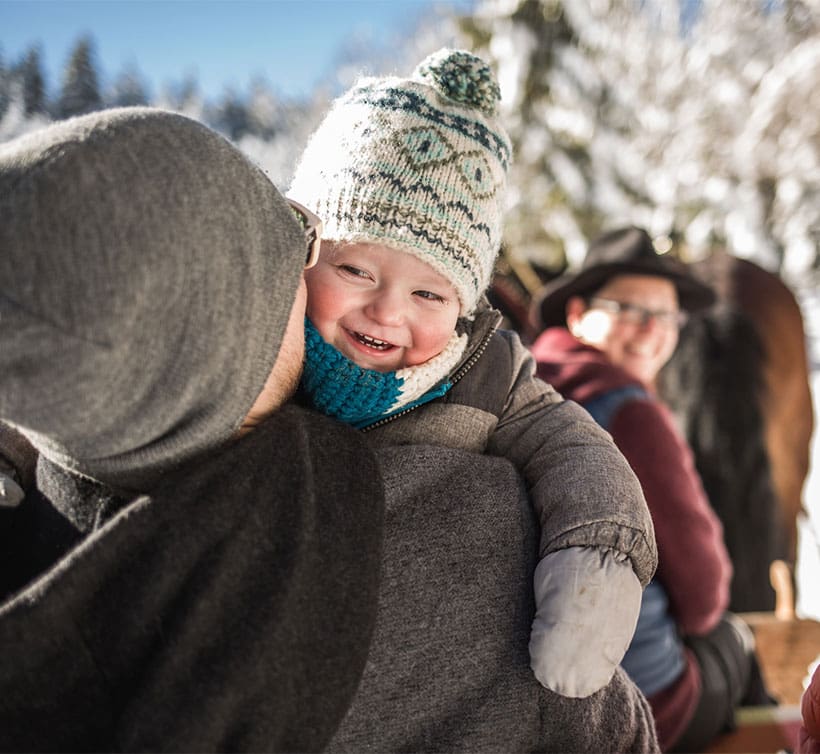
{"points": [[739, 384], [739, 387]]}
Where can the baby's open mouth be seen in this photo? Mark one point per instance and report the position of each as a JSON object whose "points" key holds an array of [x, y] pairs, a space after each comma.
{"points": [[366, 340]]}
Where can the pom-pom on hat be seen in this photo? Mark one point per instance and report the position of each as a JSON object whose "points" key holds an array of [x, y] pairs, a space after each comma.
{"points": [[417, 164]]}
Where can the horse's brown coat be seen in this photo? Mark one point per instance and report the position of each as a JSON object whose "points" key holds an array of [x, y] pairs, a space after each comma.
{"points": [[787, 401]]}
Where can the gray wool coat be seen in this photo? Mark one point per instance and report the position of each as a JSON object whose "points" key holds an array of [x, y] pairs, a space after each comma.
{"points": [[229, 610], [449, 667]]}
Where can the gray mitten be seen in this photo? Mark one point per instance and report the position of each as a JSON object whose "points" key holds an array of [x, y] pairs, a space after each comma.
{"points": [[587, 601]]}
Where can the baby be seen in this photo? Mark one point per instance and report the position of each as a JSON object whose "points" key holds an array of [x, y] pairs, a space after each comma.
{"points": [[409, 177]]}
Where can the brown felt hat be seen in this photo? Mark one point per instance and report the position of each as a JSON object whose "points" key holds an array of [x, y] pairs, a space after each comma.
{"points": [[618, 252]]}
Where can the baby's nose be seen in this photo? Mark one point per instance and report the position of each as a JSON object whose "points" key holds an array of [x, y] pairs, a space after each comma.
{"points": [[387, 307]]}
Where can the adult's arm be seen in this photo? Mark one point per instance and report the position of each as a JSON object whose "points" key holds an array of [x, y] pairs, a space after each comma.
{"points": [[693, 564], [448, 668], [231, 610]]}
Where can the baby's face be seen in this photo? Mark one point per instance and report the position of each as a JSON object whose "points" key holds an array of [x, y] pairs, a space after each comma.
{"points": [[384, 309]]}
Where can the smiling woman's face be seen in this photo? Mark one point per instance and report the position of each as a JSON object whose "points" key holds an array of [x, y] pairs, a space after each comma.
{"points": [[640, 345]]}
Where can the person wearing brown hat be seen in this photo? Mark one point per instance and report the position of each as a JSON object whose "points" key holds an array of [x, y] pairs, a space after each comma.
{"points": [[608, 329], [622, 251]]}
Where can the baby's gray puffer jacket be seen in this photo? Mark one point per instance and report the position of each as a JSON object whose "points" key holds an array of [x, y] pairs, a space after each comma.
{"points": [[583, 490]]}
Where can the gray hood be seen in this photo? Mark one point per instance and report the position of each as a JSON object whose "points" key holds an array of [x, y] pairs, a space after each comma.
{"points": [[148, 272]]}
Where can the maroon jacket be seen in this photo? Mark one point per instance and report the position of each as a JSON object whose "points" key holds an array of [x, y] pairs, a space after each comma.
{"points": [[693, 564], [810, 707]]}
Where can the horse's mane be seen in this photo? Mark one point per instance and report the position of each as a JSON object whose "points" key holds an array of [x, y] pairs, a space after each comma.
{"points": [[714, 384]]}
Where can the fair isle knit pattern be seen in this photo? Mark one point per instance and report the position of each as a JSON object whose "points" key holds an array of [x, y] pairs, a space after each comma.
{"points": [[340, 388], [418, 165]]}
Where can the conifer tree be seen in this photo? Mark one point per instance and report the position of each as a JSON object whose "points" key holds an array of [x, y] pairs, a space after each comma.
{"points": [[670, 114], [184, 97], [5, 85], [230, 116], [30, 73], [129, 89], [80, 91]]}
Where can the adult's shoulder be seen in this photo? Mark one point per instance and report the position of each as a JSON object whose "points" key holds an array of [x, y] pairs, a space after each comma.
{"points": [[213, 613], [308, 444]]}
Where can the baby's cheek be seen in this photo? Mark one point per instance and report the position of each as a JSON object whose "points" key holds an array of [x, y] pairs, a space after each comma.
{"points": [[326, 329], [321, 313]]}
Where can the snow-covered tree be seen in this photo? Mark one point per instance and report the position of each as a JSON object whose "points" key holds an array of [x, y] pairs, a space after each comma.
{"points": [[292, 122], [265, 111], [129, 88], [677, 116], [80, 91], [14, 121], [30, 73], [5, 85], [229, 115], [183, 97], [23, 105]]}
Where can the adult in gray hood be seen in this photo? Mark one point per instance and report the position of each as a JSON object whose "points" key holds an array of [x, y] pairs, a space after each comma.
{"points": [[168, 584], [181, 575]]}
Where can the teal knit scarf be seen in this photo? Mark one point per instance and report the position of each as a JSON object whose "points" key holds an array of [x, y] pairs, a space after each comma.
{"points": [[342, 389]]}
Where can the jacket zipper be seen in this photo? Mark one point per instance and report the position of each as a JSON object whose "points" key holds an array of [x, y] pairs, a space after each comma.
{"points": [[465, 367]]}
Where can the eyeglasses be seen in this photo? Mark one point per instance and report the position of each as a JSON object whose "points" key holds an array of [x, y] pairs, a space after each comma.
{"points": [[312, 226], [638, 315]]}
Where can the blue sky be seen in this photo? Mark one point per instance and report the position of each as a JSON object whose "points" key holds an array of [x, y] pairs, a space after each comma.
{"points": [[291, 43]]}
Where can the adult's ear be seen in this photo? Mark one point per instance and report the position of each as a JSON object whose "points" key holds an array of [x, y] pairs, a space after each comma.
{"points": [[576, 306]]}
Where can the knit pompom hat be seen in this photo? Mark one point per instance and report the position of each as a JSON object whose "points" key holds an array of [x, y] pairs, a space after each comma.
{"points": [[416, 164]]}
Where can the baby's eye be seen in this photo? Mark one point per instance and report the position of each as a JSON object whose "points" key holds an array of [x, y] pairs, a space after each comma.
{"points": [[430, 296], [354, 271]]}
